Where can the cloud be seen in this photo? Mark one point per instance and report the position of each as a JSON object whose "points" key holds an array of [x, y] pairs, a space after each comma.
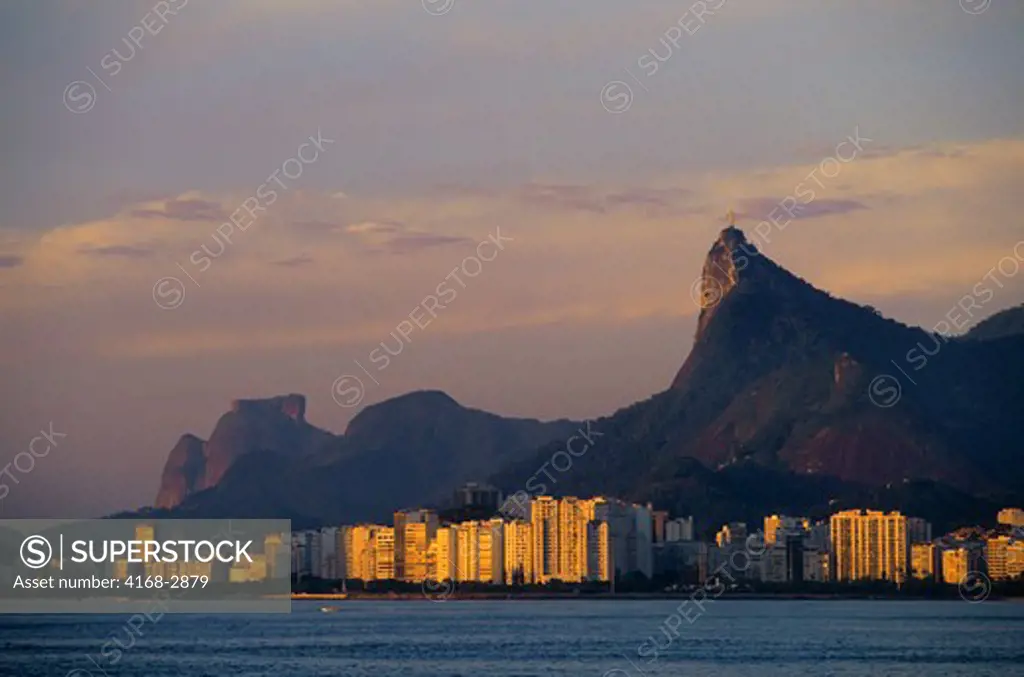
{"points": [[760, 208], [317, 227], [393, 237], [904, 224], [598, 200], [372, 227], [117, 251], [295, 261], [188, 209], [414, 242], [11, 261]]}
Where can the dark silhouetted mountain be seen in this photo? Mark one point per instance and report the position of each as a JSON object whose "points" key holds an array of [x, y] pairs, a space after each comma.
{"points": [[790, 400], [775, 407], [263, 459], [276, 424], [1009, 322]]}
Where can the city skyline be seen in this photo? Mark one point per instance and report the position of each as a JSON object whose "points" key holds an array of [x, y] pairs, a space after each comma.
{"points": [[573, 540]]}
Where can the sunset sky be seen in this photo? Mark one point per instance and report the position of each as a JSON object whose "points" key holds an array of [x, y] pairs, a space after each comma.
{"points": [[445, 122]]}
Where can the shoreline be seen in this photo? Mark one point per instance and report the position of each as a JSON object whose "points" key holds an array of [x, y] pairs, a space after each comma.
{"points": [[744, 596]]}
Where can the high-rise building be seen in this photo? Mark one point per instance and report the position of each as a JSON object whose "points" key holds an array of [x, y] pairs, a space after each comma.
{"points": [[794, 545], [384, 553], [815, 565], [573, 516], [1015, 559], [492, 552], [774, 564], [468, 551], [518, 547], [478, 495], [600, 554], [416, 541], [1013, 517], [659, 520], [919, 530], [731, 533], [996, 550], [957, 563], [869, 545], [305, 553], [776, 527], [640, 542], [629, 539], [331, 564], [544, 520], [146, 533], [418, 553], [680, 529], [360, 554], [446, 558], [819, 536], [924, 561]]}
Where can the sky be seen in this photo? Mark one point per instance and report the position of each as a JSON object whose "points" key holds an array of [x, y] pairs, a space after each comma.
{"points": [[551, 173]]}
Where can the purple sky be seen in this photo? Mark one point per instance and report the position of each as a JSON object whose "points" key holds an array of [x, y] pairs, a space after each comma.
{"points": [[430, 134]]}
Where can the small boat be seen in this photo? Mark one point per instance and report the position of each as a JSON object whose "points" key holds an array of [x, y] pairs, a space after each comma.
{"points": [[329, 609]]}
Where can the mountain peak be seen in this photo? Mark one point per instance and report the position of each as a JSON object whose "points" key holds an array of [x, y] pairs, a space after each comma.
{"points": [[728, 257], [292, 405], [731, 237]]}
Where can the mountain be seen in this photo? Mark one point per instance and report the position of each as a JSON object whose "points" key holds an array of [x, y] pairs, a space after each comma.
{"points": [[264, 460], [791, 399], [1010, 322], [277, 424]]}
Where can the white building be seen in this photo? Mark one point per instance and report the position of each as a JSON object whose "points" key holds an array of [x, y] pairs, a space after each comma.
{"points": [[680, 529]]}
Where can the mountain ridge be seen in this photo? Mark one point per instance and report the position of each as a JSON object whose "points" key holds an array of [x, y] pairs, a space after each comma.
{"points": [[775, 407]]}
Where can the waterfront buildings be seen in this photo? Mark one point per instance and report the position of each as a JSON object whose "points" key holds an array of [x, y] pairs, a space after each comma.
{"points": [[414, 530], [731, 533], [544, 519], [956, 564], [869, 545], [659, 518], [518, 552], [577, 540], [1013, 517], [384, 553], [491, 546], [478, 495], [1004, 557], [679, 530], [446, 554], [925, 561], [777, 527]]}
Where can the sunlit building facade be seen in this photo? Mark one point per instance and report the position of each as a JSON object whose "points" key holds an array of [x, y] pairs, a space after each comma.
{"points": [[518, 553], [956, 564], [869, 545], [360, 556], [924, 561], [468, 551], [446, 554], [573, 516], [492, 552], [1013, 517], [384, 553], [411, 556], [544, 519]]}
